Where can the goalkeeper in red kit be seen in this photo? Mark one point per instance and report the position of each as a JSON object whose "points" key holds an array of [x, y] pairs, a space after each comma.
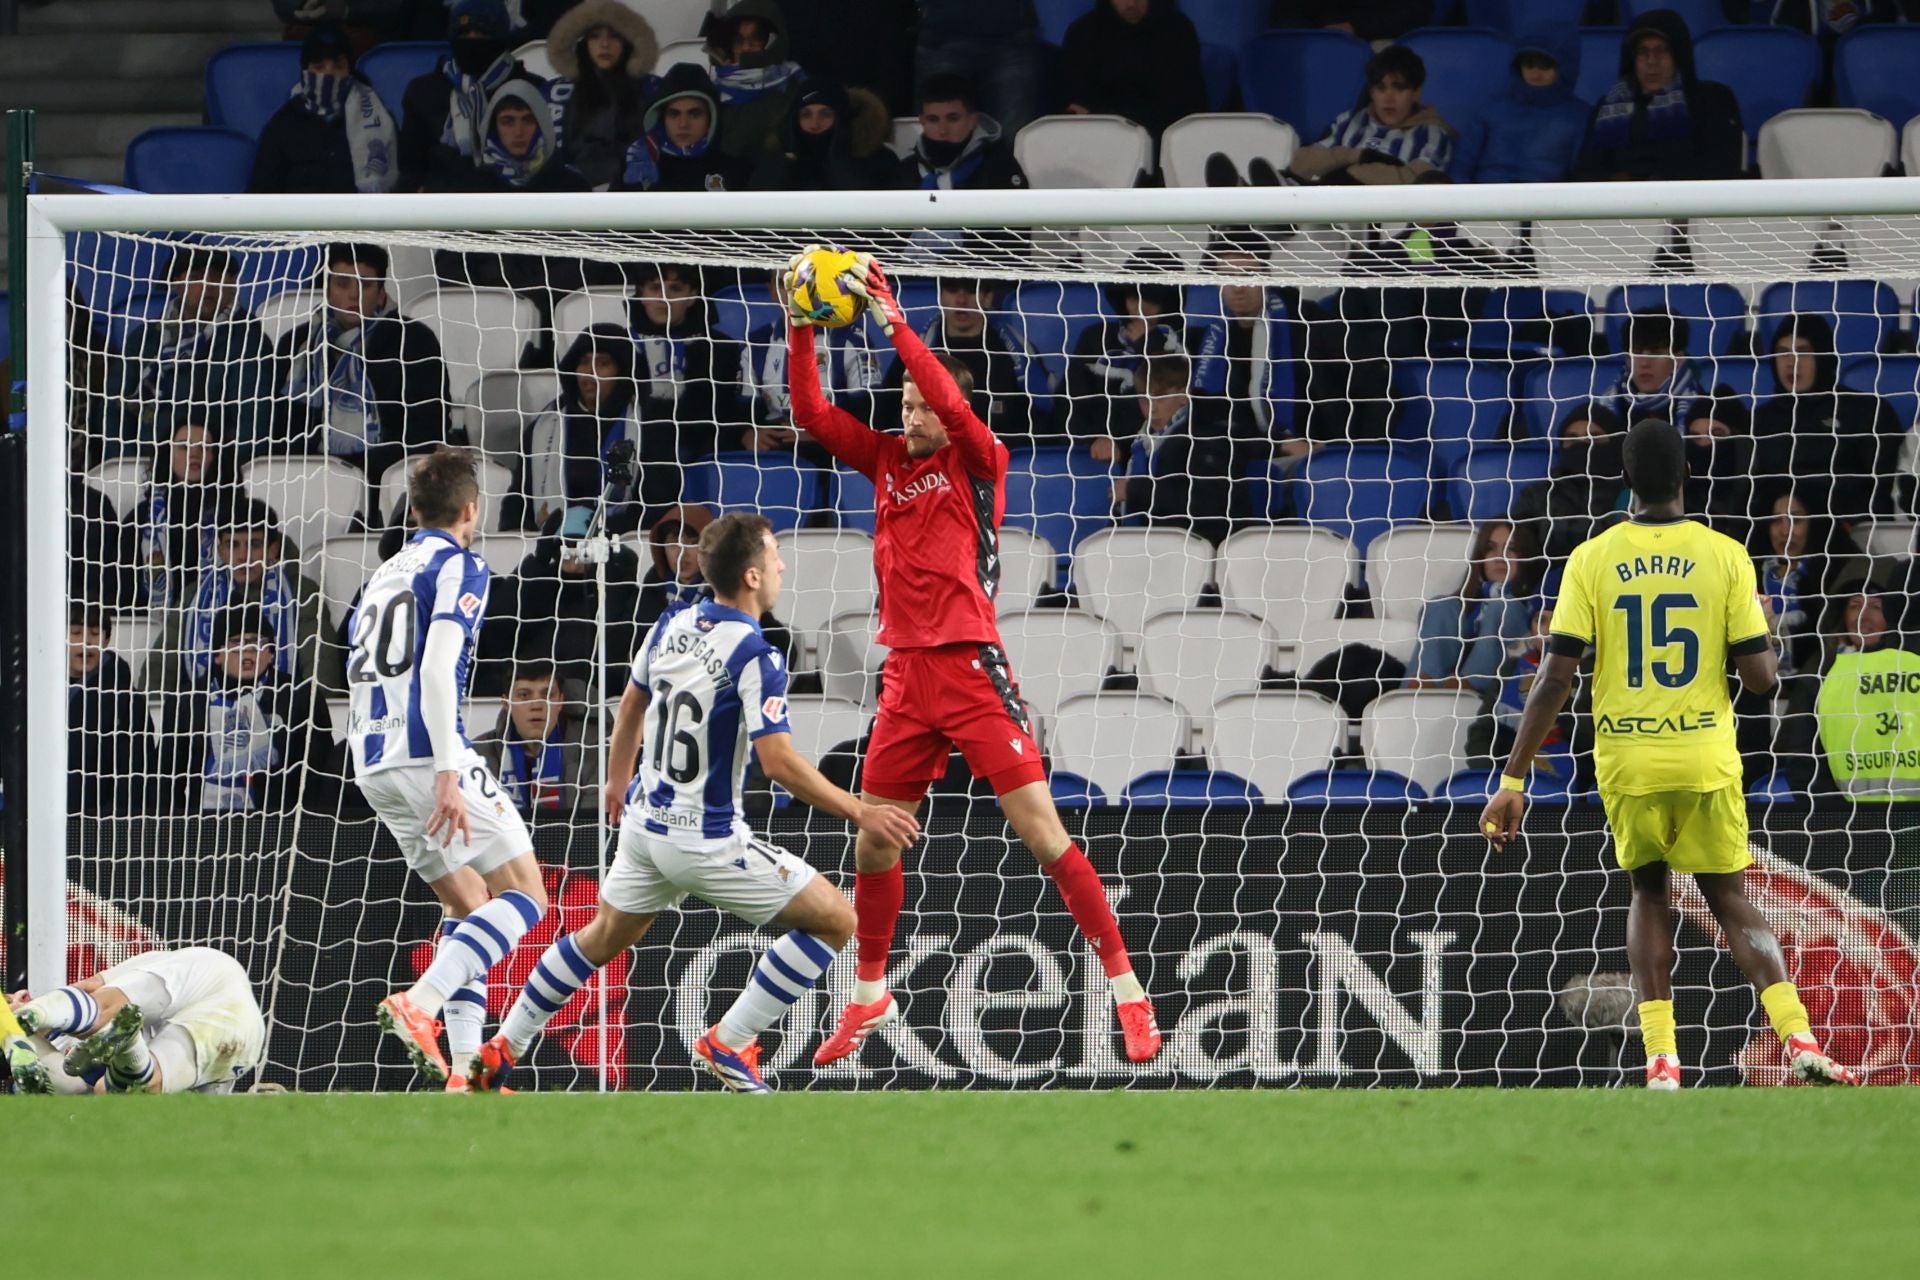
{"points": [[940, 491]]}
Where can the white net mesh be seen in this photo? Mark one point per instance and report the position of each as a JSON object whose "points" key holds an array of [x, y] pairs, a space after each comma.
{"points": [[1284, 506]]}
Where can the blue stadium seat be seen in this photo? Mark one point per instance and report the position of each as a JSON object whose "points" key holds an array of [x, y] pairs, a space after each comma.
{"points": [[1873, 68], [1061, 494], [853, 498], [391, 67], [1862, 312], [1183, 788], [1467, 787], [1303, 77], [1450, 404], [1599, 61], [1769, 69], [1359, 491], [1553, 388], [1747, 377], [1775, 788], [1466, 67], [247, 83], [1219, 69], [1055, 315], [780, 491], [1895, 379], [1701, 16], [740, 309], [1517, 16], [1057, 15], [1071, 791], [1716, 314], [1352, 786], [1492, 475], [190, 159], [1228, 23]]}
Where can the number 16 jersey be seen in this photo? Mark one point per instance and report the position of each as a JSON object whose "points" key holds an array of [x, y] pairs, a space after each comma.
{"points": [[1663, 603], [432, 578]]}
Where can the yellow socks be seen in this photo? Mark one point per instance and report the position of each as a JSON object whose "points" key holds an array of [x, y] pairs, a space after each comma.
{"points": [[1656, 1028], [1784, 1011]]}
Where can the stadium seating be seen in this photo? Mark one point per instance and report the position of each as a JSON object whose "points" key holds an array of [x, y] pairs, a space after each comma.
{"points": [[496, 483], [247, 83], [190, 160], [1273, 739], [1057, 653], [1220, 73], [286, 311], [1599, 60], [1084, 151], [1873, 69], [780, 490], [853, 499], [1057, 15], [1466, 68], [1191, 789], [1054, 315], [1395, 637], [1071, 791], [392, 66], [1420, 734], [1863, 313], [1307, 569], [315, 499], [1469, 788], [1359, 491], [505, 550], [1239, 135], [1353, 786], [1604, 248], [1516, 17], [573, 313], [694, 51], [821, 723], [1827, 143], [1197, 656], [533, 56], [345, 565], [1230, 23], [829, 573], [1895, 379], [479, 330], [1416, 562], [850, 658], [1491, 477], [1716, 314], [1448, 405], [121, 482], [1769, 69], [1063, 495], [1303, 77], [503, 406], [1742, 246], [135, 639], [1028, 568], [1553, 389], [1701, 16], [1128, 575], [1110, 738]]}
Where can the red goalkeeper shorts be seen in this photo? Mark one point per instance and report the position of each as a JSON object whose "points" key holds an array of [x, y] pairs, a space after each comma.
{"points": [[934, 701]]}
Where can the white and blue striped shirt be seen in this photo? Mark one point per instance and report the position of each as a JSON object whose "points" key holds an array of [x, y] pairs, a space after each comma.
{"points": [[715, 685], [1432, 142], [433, 577]]}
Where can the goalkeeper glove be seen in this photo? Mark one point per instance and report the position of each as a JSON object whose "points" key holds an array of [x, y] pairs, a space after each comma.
{"points": [[789, 281], [870, 282]]}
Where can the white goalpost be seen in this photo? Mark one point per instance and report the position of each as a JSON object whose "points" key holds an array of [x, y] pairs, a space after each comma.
{"points": [[1292, 473]]}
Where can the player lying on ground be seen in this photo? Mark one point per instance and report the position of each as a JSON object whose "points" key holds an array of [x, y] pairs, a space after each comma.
{"points": [[1665, 602], [941, 493], [411, 642], [717, 690], [164, 1022]]}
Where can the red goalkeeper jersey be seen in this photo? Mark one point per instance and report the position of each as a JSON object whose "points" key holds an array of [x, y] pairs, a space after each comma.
{"points": [[936, 546]]}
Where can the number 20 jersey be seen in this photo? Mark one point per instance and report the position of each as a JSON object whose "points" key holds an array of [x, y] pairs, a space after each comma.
{"points": [[713, 684], [1662, 604], [433, 577]]}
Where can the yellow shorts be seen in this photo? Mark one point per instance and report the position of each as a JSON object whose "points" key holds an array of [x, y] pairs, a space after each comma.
{"points": [[1693, 831]]}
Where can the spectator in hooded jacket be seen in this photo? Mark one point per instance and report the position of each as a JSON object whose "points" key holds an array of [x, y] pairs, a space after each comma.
{"points": [[959, 148], [568, 446], [1104, 391], [994, 44], [688, 374], [674, 575], [110, 750], [1134, 58], [361, 382], [544, 746], [1016, 385], [204, 350], [1586, 492], [680, 147], [754, 76], [548, 609], [1389, 137], [1813, 427], [517, 148], [1719, 439], [334, 134], [1533, 132], [1660, 120], [445, 113], [834, 140], [604, 52]]}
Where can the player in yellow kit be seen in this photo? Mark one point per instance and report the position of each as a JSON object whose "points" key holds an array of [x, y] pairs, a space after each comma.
{"points": [[1666, 602]]}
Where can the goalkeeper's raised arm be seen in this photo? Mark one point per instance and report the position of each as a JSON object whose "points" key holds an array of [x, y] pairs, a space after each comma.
{"points": [[848, 439]]}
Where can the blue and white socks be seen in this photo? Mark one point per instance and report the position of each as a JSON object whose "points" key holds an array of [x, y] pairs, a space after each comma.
{"points": [[476, 944], [562, 971], [67, 1011], [465, 1014], [788, 970], [130, 1069]]}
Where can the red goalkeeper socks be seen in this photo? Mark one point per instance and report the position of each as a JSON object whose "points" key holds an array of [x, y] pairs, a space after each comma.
{"points": [[1079, 885], [877, 896]]}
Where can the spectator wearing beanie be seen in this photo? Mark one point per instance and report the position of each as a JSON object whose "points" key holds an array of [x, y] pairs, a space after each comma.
{"points": [[1134, 58], [445, 113], [334, 134], [1389, 137], [1533, 132], [753, 75], [680, 147], [604, 52], [1660, 120], [835, 140]]}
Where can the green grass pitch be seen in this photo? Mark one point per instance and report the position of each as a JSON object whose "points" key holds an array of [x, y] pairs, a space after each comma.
{"points": [[1393, 1184]]}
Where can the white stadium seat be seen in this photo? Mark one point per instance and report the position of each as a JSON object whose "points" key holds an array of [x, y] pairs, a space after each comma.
{"points": [[850, 658], [1197, 656], [1057, 653], [503, 552], [1602, 249], [121, 482], [823, 723], [338, 710], [1273, 739], [135, 639], [904, 136], [1128, 575], [315, 498], [1288, 576], [1826, 142], [690, 50], [345, 565], [573, 313], [1083, 151], [498, 419], [1396, 637], [1413, 563], [1028, 565], [533, 56], [286, 311], [411, 278], [496, 482], [479, 330], [481, 716], [1239, 135], [1420, 734], [829, 573], [1112, 738], [1743, 246], [1891, 538]]}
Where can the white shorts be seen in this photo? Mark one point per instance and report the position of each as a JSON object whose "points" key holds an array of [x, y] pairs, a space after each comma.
{"points": [[748, 877], [403, 797], [202, 1020]]}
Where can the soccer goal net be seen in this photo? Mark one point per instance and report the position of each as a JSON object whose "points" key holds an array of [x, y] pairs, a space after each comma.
{"points": [[1293, 476]]}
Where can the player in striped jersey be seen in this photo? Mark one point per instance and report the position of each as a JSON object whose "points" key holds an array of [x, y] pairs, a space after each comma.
{"points": [[410, 656], [714, 689]]}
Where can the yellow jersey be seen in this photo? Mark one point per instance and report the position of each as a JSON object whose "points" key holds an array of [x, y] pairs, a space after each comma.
{"points": [[1662, 603]]}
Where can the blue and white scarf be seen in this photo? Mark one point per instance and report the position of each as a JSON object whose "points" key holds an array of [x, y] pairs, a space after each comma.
{"points": [[533, 772], [156, 545], [466, 126], [643, 159], [240, 746], [279, 602], [331, 377], [1667, 116], [371, 134], [744, 84]]}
